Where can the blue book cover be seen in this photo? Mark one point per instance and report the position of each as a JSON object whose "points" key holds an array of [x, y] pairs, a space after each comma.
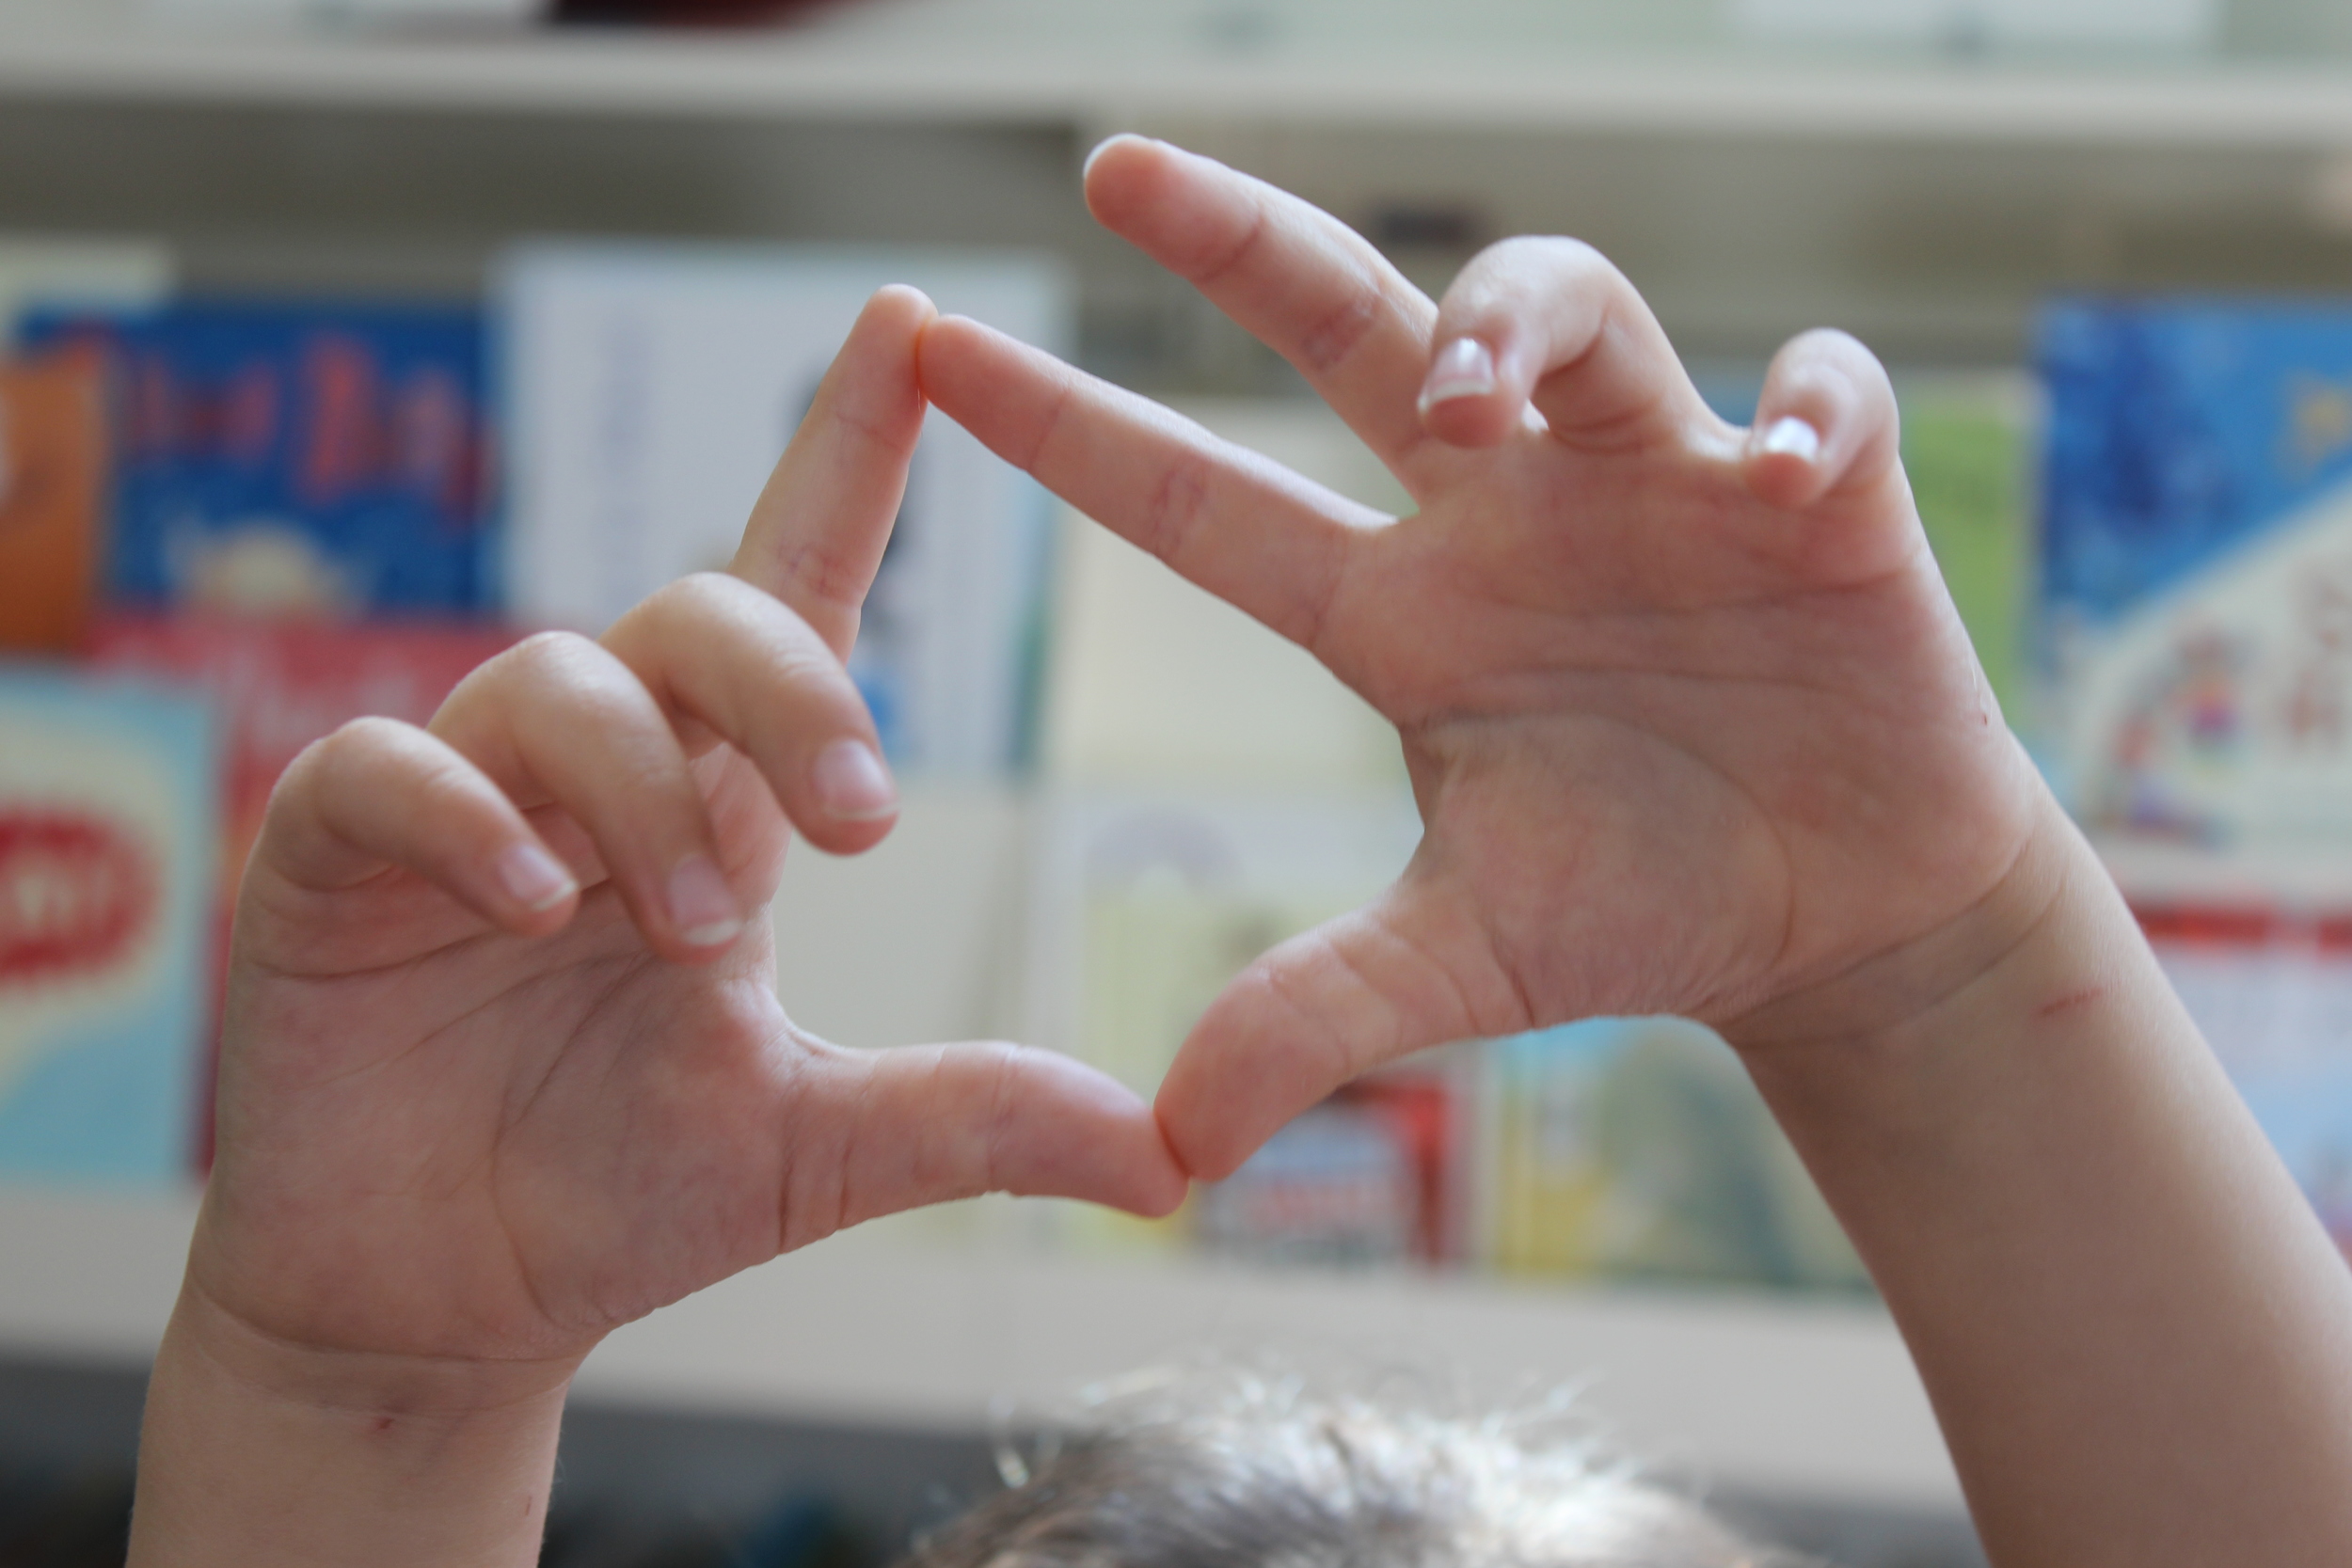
{"points": [[2195, 617], [108, 852], [306, 459]]}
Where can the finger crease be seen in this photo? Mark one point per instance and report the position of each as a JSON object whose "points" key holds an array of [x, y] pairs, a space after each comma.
{"points": [[1217, 270], [1176, 508], [1337, 335]]}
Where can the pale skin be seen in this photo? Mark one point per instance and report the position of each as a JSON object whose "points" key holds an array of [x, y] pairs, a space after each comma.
{"points": [[1693, 728]]}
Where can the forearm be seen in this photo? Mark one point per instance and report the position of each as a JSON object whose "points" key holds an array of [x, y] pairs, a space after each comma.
{"points": [[254, 1454], [2137, 1339]]}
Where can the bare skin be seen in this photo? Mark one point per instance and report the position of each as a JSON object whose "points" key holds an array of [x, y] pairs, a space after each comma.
{"points": [[470, 1124], [1693, 726]]}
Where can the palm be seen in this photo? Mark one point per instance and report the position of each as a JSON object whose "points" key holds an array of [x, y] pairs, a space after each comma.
{"points": [[1619, 712], [1690, 720]]}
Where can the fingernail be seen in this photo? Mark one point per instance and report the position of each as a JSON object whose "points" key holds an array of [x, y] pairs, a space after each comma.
{"points": [[851, 783], [1791, 437], [1465, 367], [702, 905], [534, 879]]}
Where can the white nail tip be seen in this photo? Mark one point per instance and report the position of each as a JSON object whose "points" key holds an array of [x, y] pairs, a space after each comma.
{"points": [[536, 878], [1791, 437], [1465, 367], [716, 933]]}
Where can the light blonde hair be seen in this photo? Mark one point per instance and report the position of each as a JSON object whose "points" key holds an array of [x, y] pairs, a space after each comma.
{"points": [[1239, 1472]]}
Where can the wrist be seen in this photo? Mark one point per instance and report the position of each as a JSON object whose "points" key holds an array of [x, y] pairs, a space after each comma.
{"points": [[256, 1450], [444, 1389], [2045, 933]]}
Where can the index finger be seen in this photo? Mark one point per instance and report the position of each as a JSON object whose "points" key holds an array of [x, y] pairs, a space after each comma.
{"points": [[1298, 279], [817, 533]]}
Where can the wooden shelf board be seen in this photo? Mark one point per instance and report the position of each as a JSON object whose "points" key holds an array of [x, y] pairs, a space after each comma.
{"points": [[897, 68]]}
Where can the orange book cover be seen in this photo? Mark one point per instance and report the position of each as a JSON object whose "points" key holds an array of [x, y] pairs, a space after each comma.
{"points": [[53, 472]]}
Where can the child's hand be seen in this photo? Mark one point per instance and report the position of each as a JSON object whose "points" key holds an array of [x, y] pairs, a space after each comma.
{"points": [[1691, 718], [504, 1065]]}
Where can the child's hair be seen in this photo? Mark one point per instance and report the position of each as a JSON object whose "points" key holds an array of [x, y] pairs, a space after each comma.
{"points": [[1260, 1474]]}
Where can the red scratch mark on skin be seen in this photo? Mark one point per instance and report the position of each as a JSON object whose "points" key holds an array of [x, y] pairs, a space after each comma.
{"points": [[2070, 1001], [383, 1423]]}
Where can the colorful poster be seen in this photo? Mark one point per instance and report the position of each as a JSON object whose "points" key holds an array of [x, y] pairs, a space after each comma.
{"points": [[106, 871], [1637, 1149], [2272, 994], [1373, 1175], [2195, 582]]}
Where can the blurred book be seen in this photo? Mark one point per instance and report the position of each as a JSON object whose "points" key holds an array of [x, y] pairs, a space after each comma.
{"points": [[106, 880], [649, 391], [2272, 994], [1144, 905], [276, 687], [2195, 614], [55, 273], [53, 478], [1967, 444], [1373, 1175], [307, 460], [1637, 1149], [1151, 682]]}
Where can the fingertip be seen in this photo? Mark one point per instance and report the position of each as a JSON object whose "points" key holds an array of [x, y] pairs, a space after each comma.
{"points": [[852, 783], [1826, 421], [1201, 1151], [1477, 388], [1784, 462], [1120, 176], [538, 891], [1108, 144], [903, 299], [705, 918], [1159, 1190], [944, 354]]}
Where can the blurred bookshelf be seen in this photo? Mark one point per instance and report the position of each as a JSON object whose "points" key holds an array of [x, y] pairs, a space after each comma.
{"points": [[1929, 198], [1924, 198]]}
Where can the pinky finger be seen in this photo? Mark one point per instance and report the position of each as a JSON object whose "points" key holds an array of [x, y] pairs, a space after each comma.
{"points": [[378, 793], [1825, 425]]}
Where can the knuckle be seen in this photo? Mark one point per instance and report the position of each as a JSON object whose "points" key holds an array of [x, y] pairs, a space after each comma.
{"points": [[1220, 259], [826, 574], [541, 654], [1337, 332], [1178, 503], [688, 597], [354, 745]]}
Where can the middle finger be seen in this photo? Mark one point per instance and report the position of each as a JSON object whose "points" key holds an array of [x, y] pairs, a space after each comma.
{"points": [[1301, 281]]}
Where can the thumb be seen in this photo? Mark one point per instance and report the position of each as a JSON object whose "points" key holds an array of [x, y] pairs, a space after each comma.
{"points": [[883, 1131], [1412, 969]]}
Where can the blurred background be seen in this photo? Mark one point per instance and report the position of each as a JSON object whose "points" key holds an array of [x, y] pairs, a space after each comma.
{"points": [[348, 341]]}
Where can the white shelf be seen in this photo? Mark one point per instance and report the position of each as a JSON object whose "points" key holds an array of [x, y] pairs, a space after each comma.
{"points": [[1809, 1399], [1024, 62]]}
